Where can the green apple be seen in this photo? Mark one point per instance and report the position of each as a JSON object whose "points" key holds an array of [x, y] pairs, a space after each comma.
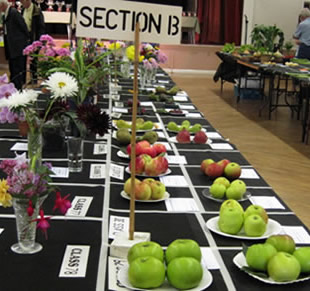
{"points": [[127, 185], [157, 187], [205, 163], [256, 209], [282, 242], [143, 191], [231, 220], [258, 255], [231, 203], [146, 272], [222, 180], [254, 225], [144, 249], [183, 248], [217, 190], [303, 256], [234, 192], [239, 184], [283, 267], [184, 273], [232, 171]]}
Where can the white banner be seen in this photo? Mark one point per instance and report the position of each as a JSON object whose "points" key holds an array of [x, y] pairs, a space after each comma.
{"points": [[116, 20]]}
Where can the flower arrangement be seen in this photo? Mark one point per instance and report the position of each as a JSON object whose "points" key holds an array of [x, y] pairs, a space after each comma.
{"points": [[23, 183]]}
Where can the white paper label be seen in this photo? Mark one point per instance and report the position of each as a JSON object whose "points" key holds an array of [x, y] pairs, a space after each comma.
{"points": [[163, 81], [298, 233], [174, 181], [182, 93], [115, 264], [79, 206], [118, 224], [20, 146], [117, 171], [176, 159], [214, 135], [160, 75], [193, 115], [100, 149], [97, 171], [248, 174], [267, 202], [120, 110], [181, 204], [75, 260], [60, 172], [115, 97], [119, 104], [180, 98], [221, 146], [147, 103], [116, 115], [187, 107]]}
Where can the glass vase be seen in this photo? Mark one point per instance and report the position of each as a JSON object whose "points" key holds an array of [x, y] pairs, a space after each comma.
{"points": [[35, 148], [26, 226]]}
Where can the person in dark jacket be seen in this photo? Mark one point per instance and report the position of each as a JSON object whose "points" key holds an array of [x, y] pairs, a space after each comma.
{"points": [[16, 38], [34, 19]]}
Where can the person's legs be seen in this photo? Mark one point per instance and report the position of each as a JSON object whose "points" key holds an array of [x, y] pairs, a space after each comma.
{"points": [[303, 52], [17, 67]]}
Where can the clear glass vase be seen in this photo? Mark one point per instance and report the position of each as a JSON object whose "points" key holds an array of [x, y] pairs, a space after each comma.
{"points": [[26, 226], [35, 143]]}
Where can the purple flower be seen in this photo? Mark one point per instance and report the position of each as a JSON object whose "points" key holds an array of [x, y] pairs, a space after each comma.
{"points": [[154, 63], [4, 79], [48, 39], [50, 52], [28, 50], [63, 52], [161, 57], [147, 65], [37, 44], [7, 90]]}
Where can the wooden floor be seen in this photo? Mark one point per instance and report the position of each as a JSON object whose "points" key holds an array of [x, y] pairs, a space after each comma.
{"points": [[273, 146]]}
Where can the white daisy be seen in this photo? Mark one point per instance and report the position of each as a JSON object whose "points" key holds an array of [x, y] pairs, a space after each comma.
{"points": [[20, 99], [61, 85]]}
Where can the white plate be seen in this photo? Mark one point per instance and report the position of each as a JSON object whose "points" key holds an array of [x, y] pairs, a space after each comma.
{"points": [[155, 126], [121, 154], [144, 175], [206, 193], [174, 140], [125, 195], [203, 285], [273, 227], [174, 131], [240, 261]]}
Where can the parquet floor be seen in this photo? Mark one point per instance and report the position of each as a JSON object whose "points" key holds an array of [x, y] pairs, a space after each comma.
{"points": [[273, 146]]}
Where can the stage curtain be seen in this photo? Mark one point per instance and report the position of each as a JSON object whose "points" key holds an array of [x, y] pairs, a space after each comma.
{"points": [[220, 21]]}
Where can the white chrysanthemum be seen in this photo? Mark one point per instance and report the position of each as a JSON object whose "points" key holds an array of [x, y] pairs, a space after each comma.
{"points": [[61, 85], [20, 99]]}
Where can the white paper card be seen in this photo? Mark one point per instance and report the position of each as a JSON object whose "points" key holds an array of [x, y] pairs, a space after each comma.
{"points": [[160, 75], [181, 204], [97, 171], [248, 174], [221, 146], [214, 135], [115, 97], [163, 81], [166, 144], [78, 254], [161, 134], [116, 115], [187, 107], [119, 104], [176, 159], [120, 110], [267, 202], [19, 146], [100, 148], [79, 206], [115, 265], [182, 93], [60, 172], [180, 98], [150, 89], [147, 103], [118, 224], [117, 171], [114, 134], [174, 181], [193, 115], [298, 233], [208, 259]]}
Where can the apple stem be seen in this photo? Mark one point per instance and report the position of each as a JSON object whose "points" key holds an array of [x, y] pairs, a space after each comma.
{"points": [[133, 134]]}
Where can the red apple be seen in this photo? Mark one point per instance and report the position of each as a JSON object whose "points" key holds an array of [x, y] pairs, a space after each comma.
{"points": [[139, 147], [160, 148], [140, 163], [200, 137], [149, 151], [232, 171], [156, 166], [183, 136], [223, 163], [143, 191], [214, 170], [205, 163]]}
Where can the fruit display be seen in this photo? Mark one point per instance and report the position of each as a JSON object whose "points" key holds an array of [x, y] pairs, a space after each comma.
{"points": [[141, 124], [270, 259], [225, 167], [150, 136], [183, 268], [222, 188], [144, 147], [146, 165], [123, 136], [233, 218], [148, 189], [184, 136], [172, 126]]}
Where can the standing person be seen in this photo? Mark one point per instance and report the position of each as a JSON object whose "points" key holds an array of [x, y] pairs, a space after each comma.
{"points": [[35, 23], [16, 38], [302, 34]]}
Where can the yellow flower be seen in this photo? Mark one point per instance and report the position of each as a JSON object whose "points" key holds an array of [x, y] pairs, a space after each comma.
{"points": [[99, 43], [66, 45], [4, 187], [130, 53], [114, 46], [5, 197]]}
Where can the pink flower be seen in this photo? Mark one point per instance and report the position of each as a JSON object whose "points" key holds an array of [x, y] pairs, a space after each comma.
{"points": [[4, 79], [48, 39], [63, 204], [63, 52], [43, 223], [50, 52], [161, 57], [30, 209]]}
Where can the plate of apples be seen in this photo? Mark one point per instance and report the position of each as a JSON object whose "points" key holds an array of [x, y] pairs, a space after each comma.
{"points": [[184, 136], [251, 224]]}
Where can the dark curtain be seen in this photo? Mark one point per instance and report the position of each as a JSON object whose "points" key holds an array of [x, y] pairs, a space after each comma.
{"points": [[220, 21]]}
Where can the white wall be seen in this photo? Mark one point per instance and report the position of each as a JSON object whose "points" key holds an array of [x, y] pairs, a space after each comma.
{"points": [[282, 13]]}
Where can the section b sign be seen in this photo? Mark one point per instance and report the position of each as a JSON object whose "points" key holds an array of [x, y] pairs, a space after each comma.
{"points": [[116, 20]]}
